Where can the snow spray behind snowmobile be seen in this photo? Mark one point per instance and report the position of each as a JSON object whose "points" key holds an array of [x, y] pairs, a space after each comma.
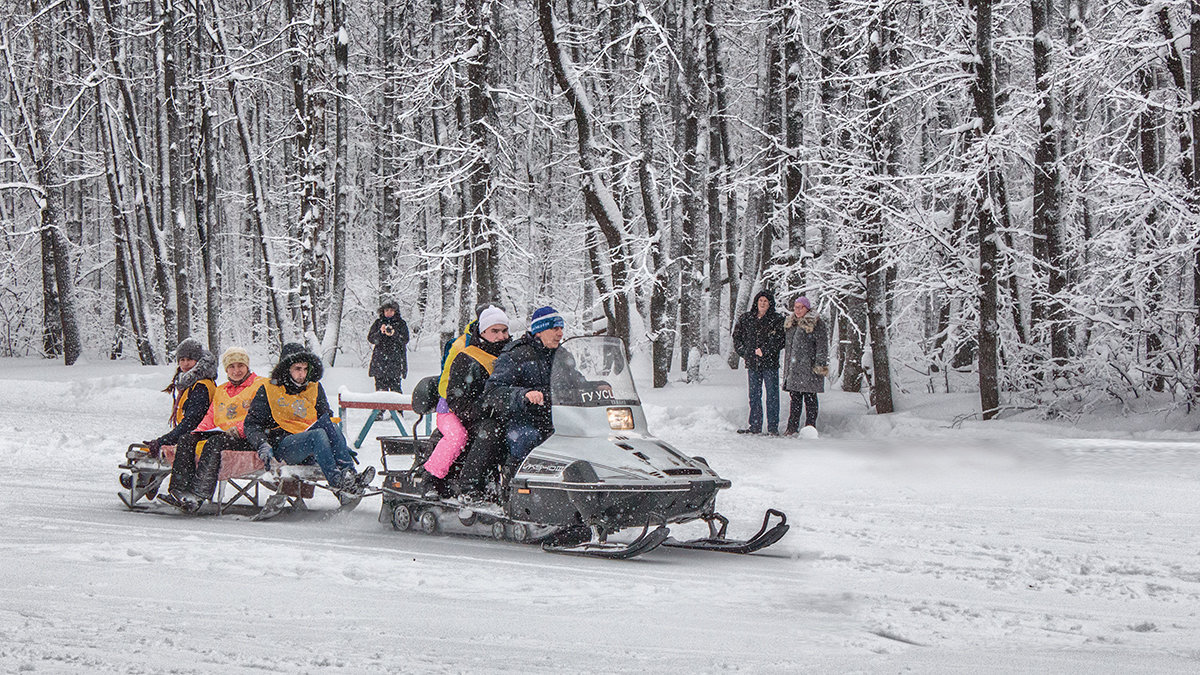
{"points": [[600, 473]]}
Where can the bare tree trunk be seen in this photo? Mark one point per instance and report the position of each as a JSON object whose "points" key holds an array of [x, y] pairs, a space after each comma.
{"points": [[984, 94], [387, 234], [692, 225], [793, 123], [204, 170], [341, 185], [882, 154], [48, 185], [1194, 97], [179, 253], [599, 198], [1150, 162], [257, 211], [662, 334], [484, 241], [1047, 222]]}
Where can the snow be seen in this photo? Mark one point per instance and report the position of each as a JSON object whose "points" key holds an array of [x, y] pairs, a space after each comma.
{"points": [[925, 540], [396, 397]]}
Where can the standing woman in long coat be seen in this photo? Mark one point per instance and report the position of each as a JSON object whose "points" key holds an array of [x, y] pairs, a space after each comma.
{"points": [[389, 360], [805, 362]]}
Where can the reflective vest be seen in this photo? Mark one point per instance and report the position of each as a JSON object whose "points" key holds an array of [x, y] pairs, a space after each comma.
{"points": [[485, 359], [177, 413], [455, 347], [229, 410], [294, 413]]}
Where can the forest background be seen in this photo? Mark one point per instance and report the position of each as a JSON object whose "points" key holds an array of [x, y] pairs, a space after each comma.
{"points": [[990, 195]]}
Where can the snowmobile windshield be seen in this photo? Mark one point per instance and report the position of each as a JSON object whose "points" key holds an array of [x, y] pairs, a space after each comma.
{"points": [[591, 372]]}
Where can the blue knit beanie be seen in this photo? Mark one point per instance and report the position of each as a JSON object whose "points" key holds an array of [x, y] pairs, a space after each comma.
{"points": [[545, 317]]}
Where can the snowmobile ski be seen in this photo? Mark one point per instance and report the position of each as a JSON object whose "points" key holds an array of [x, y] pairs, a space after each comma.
{"points": [[761, 539], [647, 541]]}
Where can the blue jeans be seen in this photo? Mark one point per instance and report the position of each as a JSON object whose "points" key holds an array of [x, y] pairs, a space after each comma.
{"points": [[522, 439], [314, 445], [760, 378]]}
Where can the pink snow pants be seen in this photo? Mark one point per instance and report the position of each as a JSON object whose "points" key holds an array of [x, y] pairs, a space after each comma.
{"points": [[454, 439]]}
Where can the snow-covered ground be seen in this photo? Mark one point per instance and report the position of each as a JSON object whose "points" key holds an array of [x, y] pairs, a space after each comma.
{"points": [[919, 542]]}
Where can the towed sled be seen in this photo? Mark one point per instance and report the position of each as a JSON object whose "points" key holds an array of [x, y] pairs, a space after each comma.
{"points": [[602, 473], [244, 484]]}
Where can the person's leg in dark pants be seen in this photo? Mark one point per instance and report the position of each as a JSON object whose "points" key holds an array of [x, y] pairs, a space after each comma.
{"points": [[810, 409], [754, 377], [795, 407], [770, 378], [184, 466]]}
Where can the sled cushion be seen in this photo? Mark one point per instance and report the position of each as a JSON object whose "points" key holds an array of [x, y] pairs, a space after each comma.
{"points": [[234, 463]]}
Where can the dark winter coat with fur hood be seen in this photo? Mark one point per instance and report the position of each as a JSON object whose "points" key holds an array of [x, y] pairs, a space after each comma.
{"points": [[195, 407], [260, 424], [753, 332], [806, 354], [389, 360]]}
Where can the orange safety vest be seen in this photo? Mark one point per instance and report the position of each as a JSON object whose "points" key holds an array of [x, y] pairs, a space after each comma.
{"points": [[177, 413], [229, 410], [485, 359], [294, 413]]}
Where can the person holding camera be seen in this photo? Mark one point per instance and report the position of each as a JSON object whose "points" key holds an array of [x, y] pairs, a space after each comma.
{"points": [[389, 360]]}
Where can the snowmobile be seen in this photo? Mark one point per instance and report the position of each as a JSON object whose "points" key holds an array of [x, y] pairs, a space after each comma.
{"points": [[600, 473]]}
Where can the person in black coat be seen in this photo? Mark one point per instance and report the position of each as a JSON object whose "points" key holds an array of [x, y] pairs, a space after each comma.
{"points": [[758, 338], [389, 360]]}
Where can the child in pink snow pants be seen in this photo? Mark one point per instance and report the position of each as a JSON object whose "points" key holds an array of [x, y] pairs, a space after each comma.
{"points": [[491, 324], [454, 439]]}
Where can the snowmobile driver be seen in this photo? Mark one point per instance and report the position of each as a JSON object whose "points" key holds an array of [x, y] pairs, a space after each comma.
{"points": [[289, 421], [520, 383]]}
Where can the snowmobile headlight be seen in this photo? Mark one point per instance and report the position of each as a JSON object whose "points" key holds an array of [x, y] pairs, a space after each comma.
{"points": [[620, 418]]}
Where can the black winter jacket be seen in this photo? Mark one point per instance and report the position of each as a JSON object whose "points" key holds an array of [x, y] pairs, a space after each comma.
{"points": [[468, 379], [754, 332], [389, 360], [260, 424], [522, 368]]}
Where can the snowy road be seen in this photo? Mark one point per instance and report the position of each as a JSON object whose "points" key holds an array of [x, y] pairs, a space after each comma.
{"points": [[982, 548]]}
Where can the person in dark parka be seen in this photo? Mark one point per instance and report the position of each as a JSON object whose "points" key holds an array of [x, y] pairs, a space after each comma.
{"points": [[805, 362], [758, 338], [389, 359], [289, 421], [192, 388]]}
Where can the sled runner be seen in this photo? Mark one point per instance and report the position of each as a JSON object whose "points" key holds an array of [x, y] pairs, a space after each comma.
{"points": [[237, 483], [601, 473]]}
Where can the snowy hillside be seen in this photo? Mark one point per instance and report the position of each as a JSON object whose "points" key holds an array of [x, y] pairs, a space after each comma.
{"points": [[917, 544]]}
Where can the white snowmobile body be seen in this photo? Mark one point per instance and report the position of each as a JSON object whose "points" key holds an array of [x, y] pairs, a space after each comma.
{"points": [[602, 466]]}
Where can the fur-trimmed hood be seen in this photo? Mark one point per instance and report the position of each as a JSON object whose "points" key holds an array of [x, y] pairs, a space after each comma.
{"points": [[808, 323], [205, 369], [294, 353]]}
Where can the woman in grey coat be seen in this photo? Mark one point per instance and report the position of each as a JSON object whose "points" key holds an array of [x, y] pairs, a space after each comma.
{"points": [[805, 362]]}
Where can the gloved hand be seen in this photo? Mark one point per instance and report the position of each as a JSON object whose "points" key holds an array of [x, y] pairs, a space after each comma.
{"points": [[265, 454], [154, 446]]}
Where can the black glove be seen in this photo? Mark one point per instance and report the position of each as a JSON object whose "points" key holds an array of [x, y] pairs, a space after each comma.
{"points": [[154, 446]]}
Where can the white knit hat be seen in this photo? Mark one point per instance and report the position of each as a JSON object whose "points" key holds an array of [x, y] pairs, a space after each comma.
{"points": [[492, 316]]}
